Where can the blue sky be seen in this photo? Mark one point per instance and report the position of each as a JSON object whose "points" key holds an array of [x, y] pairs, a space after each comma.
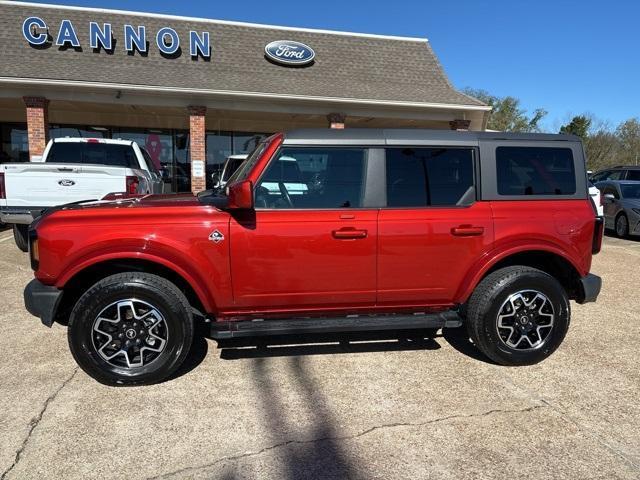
{"points": [[568, 57]]}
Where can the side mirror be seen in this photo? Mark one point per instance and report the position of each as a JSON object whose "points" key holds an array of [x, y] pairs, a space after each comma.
{"points": [[609, 196], [240, 195], [215, 178]]}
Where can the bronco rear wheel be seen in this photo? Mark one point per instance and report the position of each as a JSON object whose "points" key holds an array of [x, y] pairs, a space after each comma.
{"points": [[131, 328], [518, 315]]}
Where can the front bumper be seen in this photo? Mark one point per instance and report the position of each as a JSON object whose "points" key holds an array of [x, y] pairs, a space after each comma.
{"points": [[42, 301], [590, 288]]}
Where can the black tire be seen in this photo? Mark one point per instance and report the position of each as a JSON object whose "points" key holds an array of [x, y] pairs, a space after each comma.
{"points": [[490, 298], [21, 236], [142, 288], [621, 226]]}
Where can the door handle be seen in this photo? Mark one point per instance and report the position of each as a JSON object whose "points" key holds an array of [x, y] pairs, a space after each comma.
{"points": [[467, 231], [349, 234]]}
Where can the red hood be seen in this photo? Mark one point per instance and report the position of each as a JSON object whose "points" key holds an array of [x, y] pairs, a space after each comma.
{"points": [[170, 200], [139, 201]]}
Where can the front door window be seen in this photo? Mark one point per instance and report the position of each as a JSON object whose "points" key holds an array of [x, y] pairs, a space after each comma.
{"points": [[313, 178]]}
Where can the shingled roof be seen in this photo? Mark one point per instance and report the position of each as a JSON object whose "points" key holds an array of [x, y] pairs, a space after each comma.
{"points": [[347, 66]]}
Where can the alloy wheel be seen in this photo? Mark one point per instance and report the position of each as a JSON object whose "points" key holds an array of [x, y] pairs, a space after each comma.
{"points": [[621, 226], [525, 320], [129, 333]]}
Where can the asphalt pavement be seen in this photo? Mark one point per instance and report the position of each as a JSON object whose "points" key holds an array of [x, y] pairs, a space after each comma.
{"points": [[351, 406]]}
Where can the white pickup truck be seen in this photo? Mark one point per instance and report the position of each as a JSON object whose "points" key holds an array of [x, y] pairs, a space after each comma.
{"points": [[73, 170]]}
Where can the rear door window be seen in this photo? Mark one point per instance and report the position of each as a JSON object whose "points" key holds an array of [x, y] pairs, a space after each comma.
{"points": [[112, 155], [535, 171], [422, 177]]}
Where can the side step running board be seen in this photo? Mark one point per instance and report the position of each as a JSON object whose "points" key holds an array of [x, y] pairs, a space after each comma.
{"points": [[251, 328]]}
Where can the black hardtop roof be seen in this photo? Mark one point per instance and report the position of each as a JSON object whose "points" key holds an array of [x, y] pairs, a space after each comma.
{"points": [[389, 136]]}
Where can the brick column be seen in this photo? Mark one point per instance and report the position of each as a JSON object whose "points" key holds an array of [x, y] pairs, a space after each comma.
{"points": [[459, 124], [336, 120], [197, 140], [37, 124]]}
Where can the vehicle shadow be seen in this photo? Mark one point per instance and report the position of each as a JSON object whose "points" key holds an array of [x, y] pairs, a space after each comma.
{"points": [[347, 342], [460, 341], [612, 234], [326, 344], [197, 352]]}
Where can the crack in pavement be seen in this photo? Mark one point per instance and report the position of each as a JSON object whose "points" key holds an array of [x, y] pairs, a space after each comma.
{"points": [[35, 421], [567, 418], [232, 458], [599, 438]]}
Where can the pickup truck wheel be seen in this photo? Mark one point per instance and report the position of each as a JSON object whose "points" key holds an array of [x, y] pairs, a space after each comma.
{"points": [[518, 315], [20, 235], [130, 329]]}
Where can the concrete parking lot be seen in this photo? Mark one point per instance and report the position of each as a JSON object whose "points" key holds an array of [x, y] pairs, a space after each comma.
{"points": [[360, 406]]}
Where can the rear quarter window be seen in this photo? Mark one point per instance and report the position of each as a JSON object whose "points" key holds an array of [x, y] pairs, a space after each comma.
{"points": [[535, 171]]}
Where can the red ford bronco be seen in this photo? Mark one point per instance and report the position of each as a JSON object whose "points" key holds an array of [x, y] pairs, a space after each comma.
{"points": [[329, 230]]}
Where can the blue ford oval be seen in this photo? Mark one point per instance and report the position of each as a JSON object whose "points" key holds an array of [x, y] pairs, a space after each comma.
{"points": [[288, 52]]}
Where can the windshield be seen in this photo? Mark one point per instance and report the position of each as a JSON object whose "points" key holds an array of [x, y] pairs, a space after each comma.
{"points": [[248, 164], [232, 166], [630, 190]]}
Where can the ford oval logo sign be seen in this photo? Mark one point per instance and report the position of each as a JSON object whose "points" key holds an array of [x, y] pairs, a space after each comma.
{"points": [[287, 52], [66, 183]]}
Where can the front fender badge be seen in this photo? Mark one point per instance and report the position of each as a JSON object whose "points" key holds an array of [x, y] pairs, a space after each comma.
{"points": [[216, 236]]}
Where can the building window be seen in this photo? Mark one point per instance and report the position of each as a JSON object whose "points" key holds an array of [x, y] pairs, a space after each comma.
{"points": [[221, 144], [61, 131], [246, 142], [219, 147], [15, 142], [160, 144]]}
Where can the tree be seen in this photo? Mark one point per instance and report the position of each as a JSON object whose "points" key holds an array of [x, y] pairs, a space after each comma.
{"points": [[507, 115], [601, 145], [628, 133], [579, 125], [600, 148]]}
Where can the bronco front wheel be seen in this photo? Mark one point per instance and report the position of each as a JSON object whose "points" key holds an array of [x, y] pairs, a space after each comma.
{"points": [[131, 328]]}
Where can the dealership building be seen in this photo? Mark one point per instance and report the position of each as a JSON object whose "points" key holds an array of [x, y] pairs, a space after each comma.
{"points": [[193, 91]]}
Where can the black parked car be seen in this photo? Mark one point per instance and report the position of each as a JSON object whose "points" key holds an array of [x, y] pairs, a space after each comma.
{"points": [[616, 173]]}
